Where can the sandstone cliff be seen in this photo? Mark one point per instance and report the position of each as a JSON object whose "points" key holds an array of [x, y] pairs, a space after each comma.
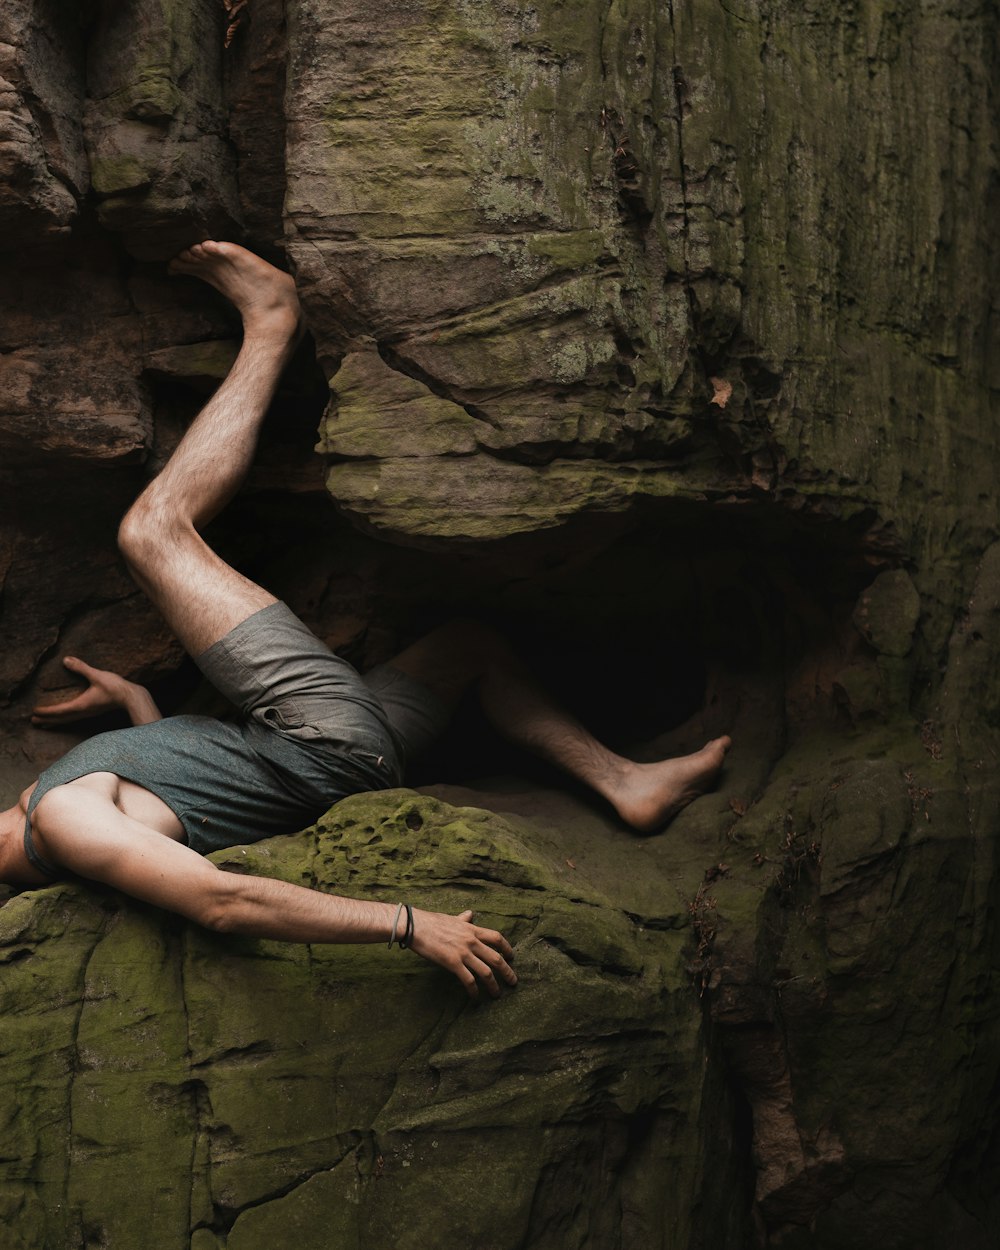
{"points": [[664, 334]]}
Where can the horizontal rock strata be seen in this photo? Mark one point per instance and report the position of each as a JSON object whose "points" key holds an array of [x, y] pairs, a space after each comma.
{"points": [[662, 335]]}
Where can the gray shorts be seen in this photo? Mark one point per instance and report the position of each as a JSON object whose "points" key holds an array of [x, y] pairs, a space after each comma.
{"points": [[279, 674]]}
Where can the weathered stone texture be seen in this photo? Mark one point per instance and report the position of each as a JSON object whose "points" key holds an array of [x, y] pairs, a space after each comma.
{"points": [[161, 166], [364, 1104], [43, 169], [665, 333], [592, 212]]}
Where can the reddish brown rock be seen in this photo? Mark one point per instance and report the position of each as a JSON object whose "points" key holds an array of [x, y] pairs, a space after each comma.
{"points": [[664, 336], [43, 169]]}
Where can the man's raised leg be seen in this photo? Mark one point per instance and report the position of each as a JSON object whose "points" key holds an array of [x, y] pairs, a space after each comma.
{"points": [[466, 654], [200, 596]]}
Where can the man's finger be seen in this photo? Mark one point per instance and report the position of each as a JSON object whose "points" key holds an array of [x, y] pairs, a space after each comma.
{"points": [[87, 671], [469, 981], [80, 697], [52, 711], [497, 962], [485, 974], [493, 938]]}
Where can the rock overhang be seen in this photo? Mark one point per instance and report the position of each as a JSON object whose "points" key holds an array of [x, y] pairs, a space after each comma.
{"points": [[762, 337]]}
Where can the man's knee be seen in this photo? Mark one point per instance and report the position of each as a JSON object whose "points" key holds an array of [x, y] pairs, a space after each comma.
{"points": [[135, 535], [453, 657], [145, 534]]}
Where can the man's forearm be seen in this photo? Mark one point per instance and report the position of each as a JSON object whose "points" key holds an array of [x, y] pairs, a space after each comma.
{"points": [[264, 907]]}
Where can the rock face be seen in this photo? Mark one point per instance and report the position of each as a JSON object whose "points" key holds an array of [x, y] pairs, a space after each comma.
{"points": [[663, 334], [330, 1097]]}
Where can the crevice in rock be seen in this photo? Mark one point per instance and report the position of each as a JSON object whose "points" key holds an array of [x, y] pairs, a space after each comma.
{"points": [[225, 1217], [396, 360], [583, 959], [470, 873], [75, 1064], [662, 924], [233, 1054], [680, 105]]}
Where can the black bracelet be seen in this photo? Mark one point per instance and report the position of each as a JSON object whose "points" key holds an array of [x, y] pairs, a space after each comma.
{"points": [[395, 923], [407, 937]]}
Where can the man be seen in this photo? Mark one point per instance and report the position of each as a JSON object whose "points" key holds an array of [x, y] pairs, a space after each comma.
{"points": [[139, 808]]}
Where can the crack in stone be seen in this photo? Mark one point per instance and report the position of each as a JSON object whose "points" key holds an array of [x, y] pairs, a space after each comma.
{"points": [[678, 82], [432, 1038], [401, 364], [583, 960], [659, 924], [75, 1065], [250, 1051], [200, 1098], [228, 1216]]}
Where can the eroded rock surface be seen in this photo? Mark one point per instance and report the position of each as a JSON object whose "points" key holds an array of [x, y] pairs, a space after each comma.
{"points": [[42, 160], [369, 1074], [663, 335]]}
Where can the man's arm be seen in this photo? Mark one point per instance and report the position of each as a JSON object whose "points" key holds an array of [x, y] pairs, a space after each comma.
{"points": [[105, 691], [81, 829]]}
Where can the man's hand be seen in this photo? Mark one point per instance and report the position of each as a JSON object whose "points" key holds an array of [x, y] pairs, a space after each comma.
{"points": [[105, 691], [473, 954]]}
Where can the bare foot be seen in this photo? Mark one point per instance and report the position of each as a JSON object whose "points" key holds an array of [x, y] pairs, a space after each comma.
{"points": [[650, 795], [264, 296]]}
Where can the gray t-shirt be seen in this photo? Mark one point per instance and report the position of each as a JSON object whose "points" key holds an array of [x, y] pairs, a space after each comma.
{"points": [[228, 784]]}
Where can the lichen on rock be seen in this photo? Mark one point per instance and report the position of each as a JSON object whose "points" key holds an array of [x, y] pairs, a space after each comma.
{"points": [[664, 335]]}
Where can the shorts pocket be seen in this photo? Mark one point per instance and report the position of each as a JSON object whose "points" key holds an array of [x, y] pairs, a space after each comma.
{"points": [[282, 716]]}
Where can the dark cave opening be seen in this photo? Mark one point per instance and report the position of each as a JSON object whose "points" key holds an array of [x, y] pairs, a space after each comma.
{"points": [[628, 621], [633, 638]]}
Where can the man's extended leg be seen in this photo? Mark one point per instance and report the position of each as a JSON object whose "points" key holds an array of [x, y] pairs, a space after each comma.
{"points": [[200, 596], [466, 654]]}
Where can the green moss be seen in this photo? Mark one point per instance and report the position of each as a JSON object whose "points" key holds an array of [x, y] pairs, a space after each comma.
{"points": [[154, 98], [203, 1239], [112, 175], [574, 250], [379, 412]]}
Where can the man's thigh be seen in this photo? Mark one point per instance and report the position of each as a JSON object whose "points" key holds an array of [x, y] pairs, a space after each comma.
{"points": [[416, 715], [276, 671]]}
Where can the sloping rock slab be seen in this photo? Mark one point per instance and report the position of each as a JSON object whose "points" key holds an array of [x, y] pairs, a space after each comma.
{"points": [[322, 1096]]}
